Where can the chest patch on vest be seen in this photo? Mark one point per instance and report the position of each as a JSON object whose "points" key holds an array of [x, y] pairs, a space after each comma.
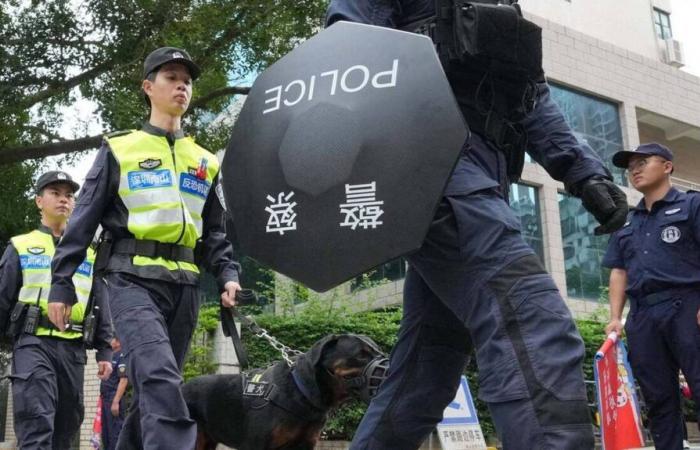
{"points": [[85, 269], [36, 250], [35, 261], [150, 163], [193, 185], [146, 179], [670, 234]]}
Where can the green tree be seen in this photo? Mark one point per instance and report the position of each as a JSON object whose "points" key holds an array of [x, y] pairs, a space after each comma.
{"points": [[56, 52], [18, 210]]}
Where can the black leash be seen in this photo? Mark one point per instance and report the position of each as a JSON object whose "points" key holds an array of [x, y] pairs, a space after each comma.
{"points": [[246, 297]]}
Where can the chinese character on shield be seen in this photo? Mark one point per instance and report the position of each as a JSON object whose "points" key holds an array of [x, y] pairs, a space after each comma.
{"points": [[282, 215], [362, 208]]}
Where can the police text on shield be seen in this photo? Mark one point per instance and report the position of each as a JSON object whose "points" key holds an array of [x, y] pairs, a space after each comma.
{"points": [[352, 80]]}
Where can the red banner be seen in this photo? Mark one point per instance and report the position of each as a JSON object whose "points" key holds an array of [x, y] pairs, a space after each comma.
{"points": [[618, 408], [96, 438]]}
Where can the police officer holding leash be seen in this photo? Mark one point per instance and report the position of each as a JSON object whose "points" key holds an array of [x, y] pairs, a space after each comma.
{"points": [[475, 284], [153, 191], [48, 364], [655, 261]]}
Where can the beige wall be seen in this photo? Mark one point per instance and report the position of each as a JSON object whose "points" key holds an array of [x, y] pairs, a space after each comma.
{"points": [[625, 23], [686, 152]]}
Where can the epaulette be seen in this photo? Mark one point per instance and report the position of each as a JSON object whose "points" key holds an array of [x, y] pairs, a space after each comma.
{"points": [[118, 133], [692, 191]]}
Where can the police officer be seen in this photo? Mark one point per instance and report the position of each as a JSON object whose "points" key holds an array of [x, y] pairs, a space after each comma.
{"points": [[112, 391], [48, 364], [153, 191], [475, 284], [655, 261]]}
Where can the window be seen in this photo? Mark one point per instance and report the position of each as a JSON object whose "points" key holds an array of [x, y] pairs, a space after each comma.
{"points": [[583, 251], [525, 202], [392, 271], [595, 122], [662, 24]]}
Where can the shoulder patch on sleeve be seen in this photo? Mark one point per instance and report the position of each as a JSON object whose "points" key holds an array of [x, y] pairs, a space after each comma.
{"points": [[219, 189]]}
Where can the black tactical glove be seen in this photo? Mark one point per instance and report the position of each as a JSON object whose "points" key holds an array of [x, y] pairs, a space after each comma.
{"points": [[606, 202]]}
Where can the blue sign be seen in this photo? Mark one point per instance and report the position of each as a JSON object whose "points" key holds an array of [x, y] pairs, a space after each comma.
{"points": [[193, 185], [146, 179], [461, 410], [35, 261], [85, 269]]}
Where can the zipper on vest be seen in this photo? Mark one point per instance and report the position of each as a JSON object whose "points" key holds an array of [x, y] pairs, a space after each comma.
{"points": [[182, 207]]}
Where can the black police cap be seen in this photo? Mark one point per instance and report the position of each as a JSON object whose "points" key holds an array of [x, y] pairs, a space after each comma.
{"points": [[55, 177], [621, 159], [164, 55]]}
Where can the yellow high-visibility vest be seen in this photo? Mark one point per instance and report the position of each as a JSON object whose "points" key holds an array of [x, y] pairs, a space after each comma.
{"points": [[36, 250], [164, 189]]}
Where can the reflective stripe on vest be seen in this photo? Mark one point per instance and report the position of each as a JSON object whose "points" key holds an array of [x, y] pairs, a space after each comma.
{"points": [[164, 190], [36, 250]]}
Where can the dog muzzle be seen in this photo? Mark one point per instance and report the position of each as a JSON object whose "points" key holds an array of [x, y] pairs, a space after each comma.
{"points": [[366, 385]]}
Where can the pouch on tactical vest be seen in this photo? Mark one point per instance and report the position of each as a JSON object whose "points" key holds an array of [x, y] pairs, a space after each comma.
{"points": [[493, 59]]}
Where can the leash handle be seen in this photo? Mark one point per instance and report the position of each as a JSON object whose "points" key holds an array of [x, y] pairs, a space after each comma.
{"points": [[229, 327]]}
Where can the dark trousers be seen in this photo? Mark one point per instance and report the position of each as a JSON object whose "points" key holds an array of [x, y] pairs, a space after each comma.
{"points": [[154, 322], [662, 339], [475, 285], [47, 391], [111, 425]]}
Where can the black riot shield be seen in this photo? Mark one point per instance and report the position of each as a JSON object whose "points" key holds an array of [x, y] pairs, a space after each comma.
{"points": [[341, 152]]}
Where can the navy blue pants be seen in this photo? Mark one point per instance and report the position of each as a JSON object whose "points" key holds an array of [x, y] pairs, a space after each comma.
{"points": [[662, 339], [154, 322], [111, 425], [47, 391], [475, 285]]}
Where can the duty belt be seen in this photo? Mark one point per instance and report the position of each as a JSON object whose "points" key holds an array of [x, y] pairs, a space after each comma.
{"points": [[154, 249], [70, 326], [664, 296]]}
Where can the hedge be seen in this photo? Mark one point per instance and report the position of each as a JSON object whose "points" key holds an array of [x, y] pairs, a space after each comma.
{"points": [[302, 330]]}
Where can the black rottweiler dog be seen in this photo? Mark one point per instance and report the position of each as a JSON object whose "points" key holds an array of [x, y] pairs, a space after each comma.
{"points": [[280, 407]]}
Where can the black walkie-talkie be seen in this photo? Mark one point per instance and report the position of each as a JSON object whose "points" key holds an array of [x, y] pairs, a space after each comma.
{"points": [[31, 321]]}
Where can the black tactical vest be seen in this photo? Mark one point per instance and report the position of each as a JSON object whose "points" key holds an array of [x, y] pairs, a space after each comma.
{"points": [[493, 59]]}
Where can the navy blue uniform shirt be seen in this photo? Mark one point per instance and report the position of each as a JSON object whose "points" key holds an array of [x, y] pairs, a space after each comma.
{"points": [[659, 248], [109, 386]]}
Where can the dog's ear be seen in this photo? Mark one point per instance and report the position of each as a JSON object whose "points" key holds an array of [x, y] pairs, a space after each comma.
{"points": [[315, 353]]}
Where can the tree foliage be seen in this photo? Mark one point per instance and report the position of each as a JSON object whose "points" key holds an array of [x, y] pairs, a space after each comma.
{"points": [[56, 52]]}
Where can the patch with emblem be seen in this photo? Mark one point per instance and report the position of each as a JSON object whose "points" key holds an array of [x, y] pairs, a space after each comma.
{"points": [[147, 179], [36, 250], [255, 388], [193, 185], [670, 234], [61, 176], [672, 211], [150, 163]]}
